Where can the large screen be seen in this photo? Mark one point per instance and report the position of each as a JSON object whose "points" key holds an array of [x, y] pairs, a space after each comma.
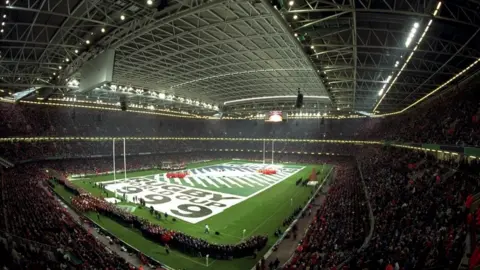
{"points": [[274, 116]]}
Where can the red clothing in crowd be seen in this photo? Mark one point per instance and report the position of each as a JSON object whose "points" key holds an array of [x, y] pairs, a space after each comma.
{"points": [[469, 201], [475, 259], [389, 267]]}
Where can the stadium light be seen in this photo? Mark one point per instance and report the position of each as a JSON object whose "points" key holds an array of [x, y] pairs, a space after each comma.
{"points": [[122, 17], [412, 32], [103, 30], [295, 16], [433, 91]]}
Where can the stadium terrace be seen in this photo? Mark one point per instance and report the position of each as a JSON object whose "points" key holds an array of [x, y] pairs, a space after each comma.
{"points": [[240, 135]]}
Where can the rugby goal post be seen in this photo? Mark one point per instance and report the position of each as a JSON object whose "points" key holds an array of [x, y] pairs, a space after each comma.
{"points": [[267, 160]]}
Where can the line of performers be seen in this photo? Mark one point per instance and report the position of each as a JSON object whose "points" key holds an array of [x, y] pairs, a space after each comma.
{"points": [[180, 175], [267, 171]]}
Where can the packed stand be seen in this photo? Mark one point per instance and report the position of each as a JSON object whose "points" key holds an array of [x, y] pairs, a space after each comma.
{"points": [[450, 120], [339, 227], [41, 234], [417, 202]]}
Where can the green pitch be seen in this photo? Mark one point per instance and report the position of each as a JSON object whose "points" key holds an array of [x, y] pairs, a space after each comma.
{"points": [[260, 206]]}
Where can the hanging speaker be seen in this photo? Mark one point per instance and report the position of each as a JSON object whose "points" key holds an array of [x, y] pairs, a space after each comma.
{"points": [[123, 103], [299, 102]]}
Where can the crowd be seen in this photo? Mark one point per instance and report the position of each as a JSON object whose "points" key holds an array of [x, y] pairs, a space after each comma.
{"points": [[339, 227], [38, 233], [418, 201], [84, 202], [453, 119], [418, 205], [60, 150]]}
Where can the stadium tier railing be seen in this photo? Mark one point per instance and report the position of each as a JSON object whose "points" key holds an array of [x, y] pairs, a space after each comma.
{"points": [[326, 181], [472, 152]]}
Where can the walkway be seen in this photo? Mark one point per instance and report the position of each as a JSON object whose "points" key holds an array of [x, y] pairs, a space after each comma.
{"points": [[133, 259], [287, 247]]}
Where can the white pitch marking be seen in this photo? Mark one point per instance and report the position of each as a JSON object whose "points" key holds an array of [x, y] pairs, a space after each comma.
{"points": [[269, 178], [233, 182], [222, 182], [210, 182], [198, 180], [259, 179], [178, 181], [243, 182], [253, 182], [188, 182]]}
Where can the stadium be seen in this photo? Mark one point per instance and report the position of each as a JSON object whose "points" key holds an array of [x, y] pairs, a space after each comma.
{"points": [[240, 134]]}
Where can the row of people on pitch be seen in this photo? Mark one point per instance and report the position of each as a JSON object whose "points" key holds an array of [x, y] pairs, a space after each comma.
{"points": [[34, 215], [174, 239]]}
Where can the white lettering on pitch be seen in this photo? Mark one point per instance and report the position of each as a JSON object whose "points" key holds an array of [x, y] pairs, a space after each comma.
{"points": [[186, 203]]}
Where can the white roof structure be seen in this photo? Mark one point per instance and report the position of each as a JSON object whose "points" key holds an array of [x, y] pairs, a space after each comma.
{"points": [[243, 56]]}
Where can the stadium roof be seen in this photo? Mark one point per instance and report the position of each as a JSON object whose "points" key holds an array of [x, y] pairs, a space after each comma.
{"points": [[245, 56]]}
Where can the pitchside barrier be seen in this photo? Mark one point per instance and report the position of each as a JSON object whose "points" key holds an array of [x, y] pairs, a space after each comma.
{"points": [[270, 251]]}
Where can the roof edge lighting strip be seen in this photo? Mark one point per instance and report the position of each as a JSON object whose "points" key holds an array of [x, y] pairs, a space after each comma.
{"points": [[432, 92], [101, 106], [272, 97], [407, 43]]}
